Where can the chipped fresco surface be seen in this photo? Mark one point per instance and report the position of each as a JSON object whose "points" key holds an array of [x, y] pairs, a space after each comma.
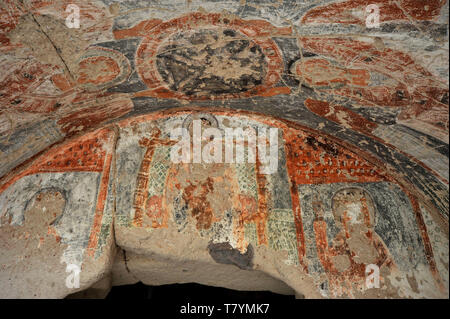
{"points": [[363, 135]]}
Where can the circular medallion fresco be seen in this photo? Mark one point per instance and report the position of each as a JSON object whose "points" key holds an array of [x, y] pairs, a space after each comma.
{"points": [[101, 68], [207, 56]]}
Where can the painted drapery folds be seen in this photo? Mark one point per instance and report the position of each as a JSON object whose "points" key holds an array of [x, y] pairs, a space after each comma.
{"points": [[360, 185]]}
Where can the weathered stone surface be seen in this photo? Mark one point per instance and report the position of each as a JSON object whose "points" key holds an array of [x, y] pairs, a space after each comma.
{"points": [[361, 177]]}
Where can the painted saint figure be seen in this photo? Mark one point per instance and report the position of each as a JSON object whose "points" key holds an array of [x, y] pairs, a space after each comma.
{"points": [[355, 246]]}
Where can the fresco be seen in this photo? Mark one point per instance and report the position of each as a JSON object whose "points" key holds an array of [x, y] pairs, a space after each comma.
{"points": [[333, 213], [362, 117]]}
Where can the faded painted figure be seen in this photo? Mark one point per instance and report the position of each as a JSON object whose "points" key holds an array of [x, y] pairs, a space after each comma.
{"points": [[355, 247], [222, 193]]}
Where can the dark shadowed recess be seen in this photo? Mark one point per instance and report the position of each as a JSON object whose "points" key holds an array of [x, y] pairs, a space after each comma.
{"points": [[189, 292]]}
